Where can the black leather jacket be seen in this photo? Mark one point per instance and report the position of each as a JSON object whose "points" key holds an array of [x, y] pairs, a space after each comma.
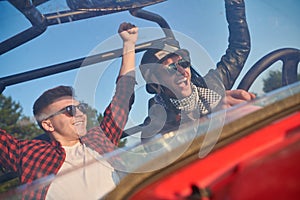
{"points": [[233, 61], [220, 79]]}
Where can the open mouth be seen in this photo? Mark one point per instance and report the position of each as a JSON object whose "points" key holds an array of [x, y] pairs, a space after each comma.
{"points": [[181, 81], [79, 123]]}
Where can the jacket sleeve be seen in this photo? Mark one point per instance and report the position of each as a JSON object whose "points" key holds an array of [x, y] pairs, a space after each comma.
{"points": [[233, 61]]}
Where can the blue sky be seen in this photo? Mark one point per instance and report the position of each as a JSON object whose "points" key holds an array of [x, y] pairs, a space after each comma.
{"points": [[273, 24]]}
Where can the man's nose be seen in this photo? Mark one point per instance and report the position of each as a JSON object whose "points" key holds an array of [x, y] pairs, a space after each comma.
{"points": [[180, 69]]}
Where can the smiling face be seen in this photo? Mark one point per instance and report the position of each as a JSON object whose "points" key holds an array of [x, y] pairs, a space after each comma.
{"points": [[177, 81], [65, 128]]}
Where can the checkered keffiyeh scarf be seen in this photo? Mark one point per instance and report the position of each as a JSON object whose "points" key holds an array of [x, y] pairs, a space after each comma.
{"points": [[202, 99]]}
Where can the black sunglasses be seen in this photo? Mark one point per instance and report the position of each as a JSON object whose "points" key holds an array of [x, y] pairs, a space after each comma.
{"points": [[71, 110], [172, 68]]}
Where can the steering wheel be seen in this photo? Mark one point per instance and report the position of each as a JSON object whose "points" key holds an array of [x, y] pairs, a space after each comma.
{"points": [[290, 58]]}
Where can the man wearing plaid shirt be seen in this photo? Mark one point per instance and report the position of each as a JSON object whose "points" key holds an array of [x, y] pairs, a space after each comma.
{"points": [[64, 119]]}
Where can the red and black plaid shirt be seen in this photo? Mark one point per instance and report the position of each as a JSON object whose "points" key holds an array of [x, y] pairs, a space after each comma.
{"points": [[34, 159]]}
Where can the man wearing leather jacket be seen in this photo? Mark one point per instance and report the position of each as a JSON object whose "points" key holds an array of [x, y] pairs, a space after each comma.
{"points": [[181, 94]]}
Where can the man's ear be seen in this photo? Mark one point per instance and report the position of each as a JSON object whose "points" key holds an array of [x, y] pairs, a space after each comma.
{"points": [[47, 125]]}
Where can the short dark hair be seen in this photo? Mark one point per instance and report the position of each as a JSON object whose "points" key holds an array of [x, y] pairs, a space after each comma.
{"points": [[48, 97]]}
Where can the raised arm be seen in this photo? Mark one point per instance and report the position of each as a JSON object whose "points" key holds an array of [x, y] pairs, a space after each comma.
{"points": [[129, 34], [233, 61], [238, 49], [116, 114]]}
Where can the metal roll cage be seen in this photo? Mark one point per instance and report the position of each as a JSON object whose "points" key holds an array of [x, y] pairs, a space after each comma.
{"points": [[40, 22]]}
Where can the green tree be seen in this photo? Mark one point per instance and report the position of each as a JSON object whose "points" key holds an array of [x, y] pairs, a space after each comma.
{"points": [[273, 81], [26, 128], [14, 122], [10, 112]]}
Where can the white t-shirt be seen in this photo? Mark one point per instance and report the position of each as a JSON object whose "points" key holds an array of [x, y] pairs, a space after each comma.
{"points": [[92, 181]]}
